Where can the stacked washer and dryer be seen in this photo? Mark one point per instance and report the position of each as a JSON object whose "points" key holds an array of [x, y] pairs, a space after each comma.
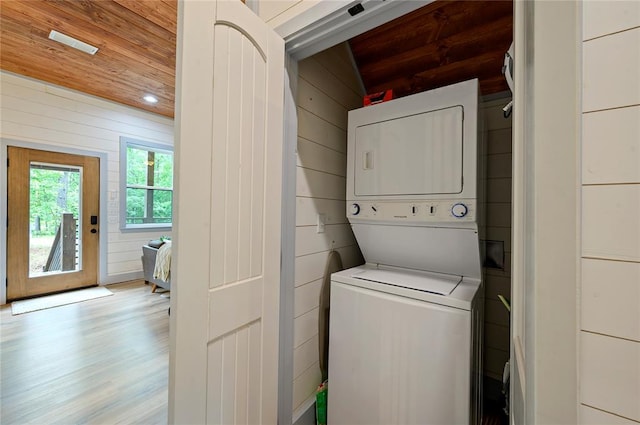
{"points": [[406, 327]]}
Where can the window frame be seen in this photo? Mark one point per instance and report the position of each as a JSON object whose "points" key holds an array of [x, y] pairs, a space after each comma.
{"points": [[125, 143]]}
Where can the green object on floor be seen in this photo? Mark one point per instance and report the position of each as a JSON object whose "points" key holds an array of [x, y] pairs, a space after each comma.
{"points": [[321, 404]]}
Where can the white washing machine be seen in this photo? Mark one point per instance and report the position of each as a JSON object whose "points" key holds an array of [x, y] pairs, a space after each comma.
{"points": [[406, 327]]}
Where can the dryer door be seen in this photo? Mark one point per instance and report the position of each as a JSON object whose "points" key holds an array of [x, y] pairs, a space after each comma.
{"points": [[419, 154]]}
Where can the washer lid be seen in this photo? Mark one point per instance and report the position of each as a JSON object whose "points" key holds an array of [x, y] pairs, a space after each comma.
{"points": [[420, 281]]}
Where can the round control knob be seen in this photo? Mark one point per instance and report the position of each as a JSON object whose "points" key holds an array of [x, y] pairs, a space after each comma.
{"points": [[355, 209], [459, 210]]}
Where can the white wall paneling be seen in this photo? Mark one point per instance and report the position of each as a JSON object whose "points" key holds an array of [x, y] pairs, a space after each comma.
{"points": [[611, 298], [306, 355], [601, 18], [591, 416], [611, 146], [610, 374], [39, 114], [609, 290], [611, 66], [611, 221], [325, 94]]}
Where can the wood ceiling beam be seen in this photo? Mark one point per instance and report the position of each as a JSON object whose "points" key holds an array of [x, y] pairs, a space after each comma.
{"points": [[487, 65], [458, 47], [438, 20]]}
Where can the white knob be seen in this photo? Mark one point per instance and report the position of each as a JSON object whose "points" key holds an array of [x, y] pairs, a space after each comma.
{"points": [[459, 210], [355, 209]]}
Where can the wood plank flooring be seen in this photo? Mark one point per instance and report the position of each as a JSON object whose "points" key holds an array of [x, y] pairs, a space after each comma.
{"points": [[102, 361]]}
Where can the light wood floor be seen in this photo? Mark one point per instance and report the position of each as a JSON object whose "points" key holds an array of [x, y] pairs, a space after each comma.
{"points": [[102, 361]]}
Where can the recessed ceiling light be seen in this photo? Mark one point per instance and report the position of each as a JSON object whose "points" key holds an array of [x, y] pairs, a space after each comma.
{"points": [[150, 99], [72, 42]]}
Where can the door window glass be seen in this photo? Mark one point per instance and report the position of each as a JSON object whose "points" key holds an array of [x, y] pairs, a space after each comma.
{"points": [[55, 203]]}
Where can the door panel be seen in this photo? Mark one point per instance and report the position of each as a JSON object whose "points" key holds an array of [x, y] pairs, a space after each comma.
{"points": [[227, 249], [51, 199]]}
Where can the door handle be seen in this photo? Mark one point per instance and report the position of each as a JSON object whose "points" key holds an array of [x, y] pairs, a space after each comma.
{"points": [[94, 231]]}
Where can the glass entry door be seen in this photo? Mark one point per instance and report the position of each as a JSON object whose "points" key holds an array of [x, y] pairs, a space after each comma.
{"points": [[53, 203]]}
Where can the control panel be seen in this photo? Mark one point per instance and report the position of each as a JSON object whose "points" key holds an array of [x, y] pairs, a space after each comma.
{"points": [[419, 211]]}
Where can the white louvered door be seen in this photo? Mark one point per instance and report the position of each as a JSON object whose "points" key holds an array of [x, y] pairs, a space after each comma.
{"points": [[224, 360]]}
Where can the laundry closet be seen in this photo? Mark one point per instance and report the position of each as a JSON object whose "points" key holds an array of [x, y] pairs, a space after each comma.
{"points": [[327, 88]]}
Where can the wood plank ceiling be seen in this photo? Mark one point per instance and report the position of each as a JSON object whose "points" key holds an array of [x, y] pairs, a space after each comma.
{"points": [[137, 42], [441, 43]]}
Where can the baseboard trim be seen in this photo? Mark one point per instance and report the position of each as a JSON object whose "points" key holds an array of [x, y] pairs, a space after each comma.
{"points": [[123, 277], [306, 413]]}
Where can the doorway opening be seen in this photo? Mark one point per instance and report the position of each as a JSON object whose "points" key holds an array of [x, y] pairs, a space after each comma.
{"points": [[332, 82]]}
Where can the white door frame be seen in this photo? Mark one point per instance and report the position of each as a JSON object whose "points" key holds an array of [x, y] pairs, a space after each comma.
{"points": [[546, 207]]}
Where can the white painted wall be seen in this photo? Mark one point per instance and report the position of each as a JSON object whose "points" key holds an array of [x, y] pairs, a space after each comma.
{"points": [[327, 88], [41, 114], [609, 288]]}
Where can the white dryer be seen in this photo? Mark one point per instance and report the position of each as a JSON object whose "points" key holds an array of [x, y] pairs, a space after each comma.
{"points": [[406, 328]]}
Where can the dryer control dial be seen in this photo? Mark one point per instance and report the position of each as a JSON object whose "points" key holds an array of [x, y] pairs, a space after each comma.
{"points": [[355, 209], [459, 210]]}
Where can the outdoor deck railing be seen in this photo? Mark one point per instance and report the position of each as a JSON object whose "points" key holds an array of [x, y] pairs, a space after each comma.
{"points": [[63, 254]]}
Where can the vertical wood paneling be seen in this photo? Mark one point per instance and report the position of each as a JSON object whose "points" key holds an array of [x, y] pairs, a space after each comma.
{"points": [[229, 355], [254, 362], [214, 382], [246, 153], [258, 167], [242, 377], [234, 141], [211, 111], [219, 155], [233, 386]]}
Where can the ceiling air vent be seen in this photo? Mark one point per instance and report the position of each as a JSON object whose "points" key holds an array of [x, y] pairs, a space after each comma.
{"points": [[72, 42]]}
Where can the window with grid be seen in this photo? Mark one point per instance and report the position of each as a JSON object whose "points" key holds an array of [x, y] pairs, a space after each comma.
{"points": [[147, 185]]}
